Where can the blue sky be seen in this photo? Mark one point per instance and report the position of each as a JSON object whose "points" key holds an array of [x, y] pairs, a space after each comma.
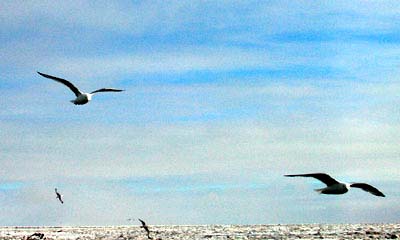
{"points": [[222, 99]]}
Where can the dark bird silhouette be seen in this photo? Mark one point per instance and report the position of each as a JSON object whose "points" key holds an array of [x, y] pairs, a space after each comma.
{"points": [[36, 236], [59, 196], [146, 228], [335, 187], [81, 97]]}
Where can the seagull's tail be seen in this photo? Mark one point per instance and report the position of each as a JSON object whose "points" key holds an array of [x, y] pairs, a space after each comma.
{"points": [[319, 190]]}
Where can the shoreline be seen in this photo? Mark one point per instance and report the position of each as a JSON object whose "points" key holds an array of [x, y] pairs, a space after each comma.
{"points": [[261, 231]]}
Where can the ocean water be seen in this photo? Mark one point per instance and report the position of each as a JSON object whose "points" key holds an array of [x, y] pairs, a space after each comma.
{"points": [[297, 231]]}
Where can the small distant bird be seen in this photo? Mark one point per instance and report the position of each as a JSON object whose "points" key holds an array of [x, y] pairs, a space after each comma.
{"points": [[146, 228], [335, 187], [81, 97], [59, 196], [36, 236]]}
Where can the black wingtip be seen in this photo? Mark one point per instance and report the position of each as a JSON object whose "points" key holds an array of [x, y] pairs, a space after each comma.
{"points": [[379, 194], [41, 74], [289, 175]]}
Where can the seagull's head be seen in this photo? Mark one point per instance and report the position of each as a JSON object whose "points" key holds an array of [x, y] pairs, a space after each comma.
{"points": [[89, 96]]}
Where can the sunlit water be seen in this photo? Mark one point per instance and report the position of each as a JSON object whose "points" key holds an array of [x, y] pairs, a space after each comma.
{"points": [[305, 231]]}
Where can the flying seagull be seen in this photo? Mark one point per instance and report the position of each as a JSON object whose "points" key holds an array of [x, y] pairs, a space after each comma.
{"points": [[335, 187], [81, 97], [59, 196], [146, 228], [36, 236]]}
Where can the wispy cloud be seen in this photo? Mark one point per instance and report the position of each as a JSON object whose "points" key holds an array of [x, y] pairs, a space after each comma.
{"points": [[7, 186], [193, 148]]}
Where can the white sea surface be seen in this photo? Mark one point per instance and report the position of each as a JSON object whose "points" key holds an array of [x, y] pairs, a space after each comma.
{"points": [[303, 231]]}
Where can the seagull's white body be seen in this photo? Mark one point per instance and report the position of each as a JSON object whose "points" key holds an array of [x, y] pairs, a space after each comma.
{"points": [[335, 187], [81, 97], [339, 188]]}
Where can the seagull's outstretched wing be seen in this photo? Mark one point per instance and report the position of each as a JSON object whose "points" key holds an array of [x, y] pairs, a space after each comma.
{"points": [[61, 201], [368, 188], [63, 81], [323, 177], [143, 223], [107, 90], [59, 197]]}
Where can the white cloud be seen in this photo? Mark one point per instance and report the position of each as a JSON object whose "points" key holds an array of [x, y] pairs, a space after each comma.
{"points": [[163, 18], [172, 61], [93, 202], [123, 151]]}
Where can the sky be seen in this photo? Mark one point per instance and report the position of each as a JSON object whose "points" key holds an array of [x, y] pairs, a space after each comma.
{"points": [[222, 98]]}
